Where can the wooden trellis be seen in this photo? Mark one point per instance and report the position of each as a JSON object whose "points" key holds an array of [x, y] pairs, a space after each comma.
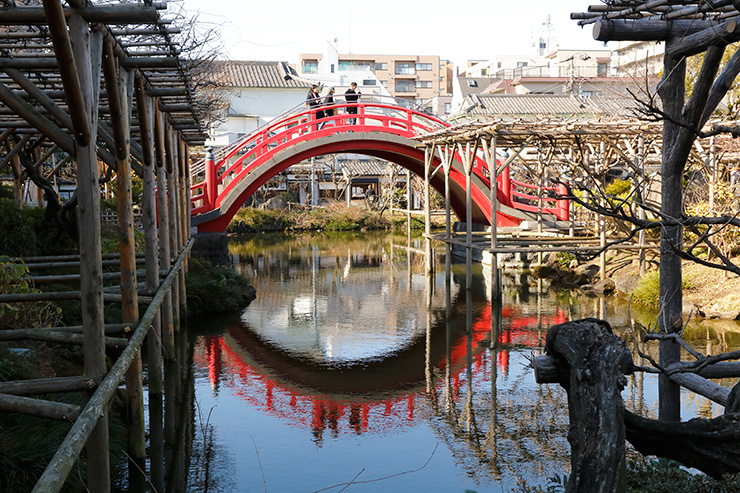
{"points": [[102, 87]]}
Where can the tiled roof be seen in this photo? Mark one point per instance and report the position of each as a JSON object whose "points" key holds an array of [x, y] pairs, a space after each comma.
{"points": [[546, 105], [255, 74]]}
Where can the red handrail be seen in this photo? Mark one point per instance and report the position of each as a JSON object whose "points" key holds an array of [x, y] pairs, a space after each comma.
{"points": [[300, 124]]}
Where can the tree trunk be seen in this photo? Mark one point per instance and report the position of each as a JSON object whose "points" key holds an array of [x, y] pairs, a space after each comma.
{"points": [[595, 358]]}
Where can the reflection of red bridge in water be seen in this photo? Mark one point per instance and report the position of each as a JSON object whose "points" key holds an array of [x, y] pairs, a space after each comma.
{"points": [[230, 362]]}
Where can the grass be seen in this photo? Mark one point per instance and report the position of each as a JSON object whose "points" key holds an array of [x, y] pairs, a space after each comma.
{"points": [[647, 290], [335, 217]]}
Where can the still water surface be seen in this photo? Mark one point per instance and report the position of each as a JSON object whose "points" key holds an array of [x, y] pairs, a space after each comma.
{"points": [[352, 366]]}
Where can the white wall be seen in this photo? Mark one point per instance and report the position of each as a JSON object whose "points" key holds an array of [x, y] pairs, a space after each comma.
{"points": [[251, 108]]}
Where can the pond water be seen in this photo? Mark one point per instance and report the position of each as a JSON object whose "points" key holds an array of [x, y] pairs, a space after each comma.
{"points": [[352, 367]]}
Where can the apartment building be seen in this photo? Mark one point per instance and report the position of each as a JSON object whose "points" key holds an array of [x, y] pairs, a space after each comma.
{"points": [[419, 78]]}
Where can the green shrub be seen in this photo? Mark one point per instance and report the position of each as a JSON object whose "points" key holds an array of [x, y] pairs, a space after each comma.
{"points": [[19, 234], [647, 290], [214, 289], [666, 476], [251, 220], [618, 188], [14, 278]]}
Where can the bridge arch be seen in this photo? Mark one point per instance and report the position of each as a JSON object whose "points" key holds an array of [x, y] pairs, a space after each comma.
{"points": [[395, 148], [379, 129]]}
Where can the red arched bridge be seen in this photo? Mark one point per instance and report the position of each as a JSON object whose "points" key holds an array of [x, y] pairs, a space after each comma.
{"points": [[381, 128]]}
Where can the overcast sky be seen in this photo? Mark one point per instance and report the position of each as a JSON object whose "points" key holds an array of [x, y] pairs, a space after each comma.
{"points": [[455, 30]]}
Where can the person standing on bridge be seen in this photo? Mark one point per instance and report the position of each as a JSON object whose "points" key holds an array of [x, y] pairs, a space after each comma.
{"points": [[313, 102], [351, 95], [328, 103]]}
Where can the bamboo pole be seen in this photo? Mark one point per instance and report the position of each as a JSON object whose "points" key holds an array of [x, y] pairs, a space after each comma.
{"points": [[61, 464], [110, 329], [154, 337], [47, 385], [37, 407], [447, 156], [61, 296], [91, 282], [641, 210], [56, 336], [172, 218], [428, 158], [490, 153], [119, 85], [70, 74], [168, 337]]}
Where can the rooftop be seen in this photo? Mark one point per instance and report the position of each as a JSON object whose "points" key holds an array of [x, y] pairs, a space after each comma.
{"points": [[247, 73]]}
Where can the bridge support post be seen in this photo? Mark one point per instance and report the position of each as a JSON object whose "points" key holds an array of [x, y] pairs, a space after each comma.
{"points": [[211, 178], [563, 204]]}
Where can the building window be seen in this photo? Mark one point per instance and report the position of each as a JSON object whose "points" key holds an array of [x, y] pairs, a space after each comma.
{"points": [[602, 69], [310, 67], [521, 64], [368, 82], [381, 66], [472, 83], [484, 72], [498, 65], [543, 45], [448, 108], [405, 86], [332, 68], [423, 66], [423, 84], [353, 65], [384, 83], [404, 69]]}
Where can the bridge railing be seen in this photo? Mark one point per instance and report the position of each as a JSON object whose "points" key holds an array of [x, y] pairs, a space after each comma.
{"points": [[213, 178], [374, 114]]}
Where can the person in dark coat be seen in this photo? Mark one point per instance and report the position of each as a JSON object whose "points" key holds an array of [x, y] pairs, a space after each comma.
{"points": [[352, 95], [328, 103], [313, 101]]}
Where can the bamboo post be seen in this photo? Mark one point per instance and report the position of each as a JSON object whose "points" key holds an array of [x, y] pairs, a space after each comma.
{"points": [[408, 206], [490, 153], [151, 238], [184, 218], [119, 85], [428, 159], [87, 52], [79, 435], [172, 183], [641, 198], [168, 337], [447, 155], [467, 161]]}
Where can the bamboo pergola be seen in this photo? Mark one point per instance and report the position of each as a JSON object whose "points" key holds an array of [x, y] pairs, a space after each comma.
{"points": [[101, 87]]}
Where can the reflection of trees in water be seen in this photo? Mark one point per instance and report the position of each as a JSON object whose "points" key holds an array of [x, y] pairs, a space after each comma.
{"points": [[495, 432]]}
